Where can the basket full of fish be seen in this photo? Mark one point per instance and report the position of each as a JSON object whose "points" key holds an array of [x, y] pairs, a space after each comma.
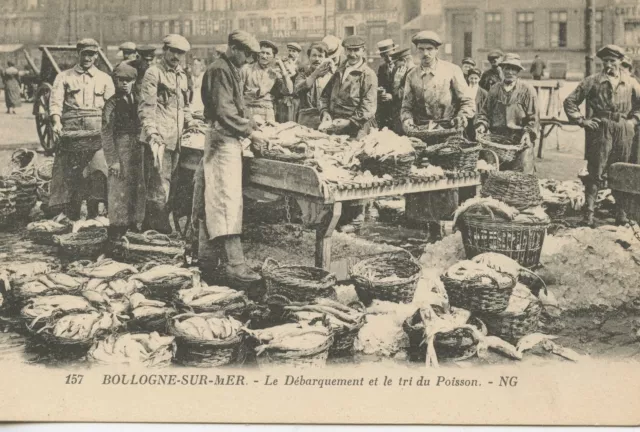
{"points": [[212, 298], [161, 282], [149, 246], [384, 152], [149, 350], [42, 232], [148, 315], [87, 244], [207, 339]]}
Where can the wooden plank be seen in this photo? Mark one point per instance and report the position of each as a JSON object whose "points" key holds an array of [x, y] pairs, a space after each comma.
{"points": [[625, 177], [324, 231], [285, 176]]}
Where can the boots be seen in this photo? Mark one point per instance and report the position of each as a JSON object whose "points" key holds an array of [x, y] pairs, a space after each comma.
{"points": [[590, 194], [93, 207], [621, 214], [236, 270]]}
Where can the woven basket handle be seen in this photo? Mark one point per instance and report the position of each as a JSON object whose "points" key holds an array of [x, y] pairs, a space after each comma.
{"points": [[285, 300], [483, 207], [494, 280], [270, 263], [152, 234], [495, 157], [407, 253]]}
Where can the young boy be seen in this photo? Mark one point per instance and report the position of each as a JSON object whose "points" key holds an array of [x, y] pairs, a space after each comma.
{"points": [[123, 152]]}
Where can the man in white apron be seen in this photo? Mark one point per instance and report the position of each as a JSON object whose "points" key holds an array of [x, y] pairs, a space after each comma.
{"points": [[77, 99], [218, 181]]}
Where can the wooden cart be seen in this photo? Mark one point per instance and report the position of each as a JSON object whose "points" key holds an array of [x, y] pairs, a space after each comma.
{"points": [[55, 59], [321, 202]]}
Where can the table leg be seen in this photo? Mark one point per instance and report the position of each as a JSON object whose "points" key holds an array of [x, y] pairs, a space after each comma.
{"points": [[324, 231], [543, 127]]}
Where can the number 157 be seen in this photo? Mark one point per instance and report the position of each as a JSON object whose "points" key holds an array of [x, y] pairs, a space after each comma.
{"points": [[74, 379]]}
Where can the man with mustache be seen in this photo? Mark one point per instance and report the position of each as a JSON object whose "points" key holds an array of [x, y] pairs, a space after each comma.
{"points": [[511, 110], [263, 84], [613, 97], [163, 110], [492, 75], [310, 83], [77, 100], [287, 106]]}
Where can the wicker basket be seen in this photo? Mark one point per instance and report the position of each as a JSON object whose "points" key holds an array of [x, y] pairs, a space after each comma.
{"points": [[46, 237], [519, 241], [147, 324], [312, 358], [476, 295], [513, 188], [455, 154], [135, 253], [23, 161], [513, 326], [368, 277], [456, 345], [503, 146], [88, 244], [297, 283], [344, 340], [235, 309], [396, 166], [431, 137], [154, 238], [44, 171], [205, 353]]}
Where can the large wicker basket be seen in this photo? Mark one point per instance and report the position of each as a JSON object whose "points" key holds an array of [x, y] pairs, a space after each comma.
{"points": [[511, 326], [455, 154], [297, 283], [396, 166], [87, 244], [205, 353], [369, 277], [476, 295], [456, 345], [311, 358], [136, 253], [46, 237], [431, 137], [503, 146], [520, 241], [513, 188]]}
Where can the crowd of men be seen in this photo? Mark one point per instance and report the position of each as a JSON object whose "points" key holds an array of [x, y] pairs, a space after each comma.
{"points": [[120, 134]]}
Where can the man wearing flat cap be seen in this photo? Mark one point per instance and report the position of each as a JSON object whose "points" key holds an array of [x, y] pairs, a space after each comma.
{"points": [[494, 74], [146, 57], [403, 64], [163, 109], [613, 97], [287, 106], [77, 99], [511, 110], [263, 84], [467, 64], [217, 198], [129, 52], [123, 153], [385, 84]]}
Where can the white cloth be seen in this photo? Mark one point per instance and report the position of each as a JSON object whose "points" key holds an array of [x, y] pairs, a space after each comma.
{"points": [[196, 103], [350, 69]]}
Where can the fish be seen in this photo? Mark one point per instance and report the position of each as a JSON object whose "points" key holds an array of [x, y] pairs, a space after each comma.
{"points": [[532, 340], [145, 311], [64, 280], [160, 272], [498, 262], [499, 345], [561, 351], [138, 300], [107, 270]]}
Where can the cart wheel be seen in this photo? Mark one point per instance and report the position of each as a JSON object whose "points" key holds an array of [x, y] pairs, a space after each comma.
{"points": [[43, 118]]}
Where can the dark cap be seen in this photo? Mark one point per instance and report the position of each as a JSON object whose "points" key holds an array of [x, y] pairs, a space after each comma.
{"points": [[146, 49], [611, 51], [125, 71], [245, 39], [474, 71], [494, 54], [469, 61], [353, 41], [269, 44], [404, 52], [88, 44], [427, 36]]}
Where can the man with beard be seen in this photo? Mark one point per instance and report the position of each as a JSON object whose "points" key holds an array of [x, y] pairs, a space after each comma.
{"points": [[146, 57], [511, 110], [77, 99], [287, 106], [384, 116], [310, 83], [403, 62], [217, 198], [163, 110], [263, 85], [492, 75], [613, 97]]}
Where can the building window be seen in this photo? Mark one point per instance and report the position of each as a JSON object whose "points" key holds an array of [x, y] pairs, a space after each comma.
{"points": [[318, 22], [351, 4], [265, 25], [146, 31], [492, 30], [198, 5], [202, 27], [349, 31], [632, 33], [241, 24], [558, 27], [598, 28], [294, 23], [156, 30], [135, 30], [176, 26], [166, 28], [525, 30], [186, 27]]}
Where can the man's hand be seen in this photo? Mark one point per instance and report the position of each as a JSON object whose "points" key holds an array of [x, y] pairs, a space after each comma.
{"points": [[408, 124], [481, 129], [56, 126], [322, 70], [386, 97], [281, 65], [114, 170], [459, 122], [591, 124], [526, 139]]}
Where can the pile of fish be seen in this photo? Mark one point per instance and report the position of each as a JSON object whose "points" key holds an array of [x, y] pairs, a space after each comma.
{"points": [[293, 337], [205, 327], [338, 316], [204, 297], [501, 211], [82, 326], [138, 349], [142, 307]]}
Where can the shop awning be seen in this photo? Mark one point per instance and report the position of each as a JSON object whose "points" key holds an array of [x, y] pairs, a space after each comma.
{"points": [[424, 22], [9, 48]]}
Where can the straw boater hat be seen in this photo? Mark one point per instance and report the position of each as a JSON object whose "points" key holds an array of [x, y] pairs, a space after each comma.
{"points": [[386, 46], [511, 59]]}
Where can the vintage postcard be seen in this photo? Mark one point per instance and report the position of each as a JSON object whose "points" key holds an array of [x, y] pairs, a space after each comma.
{"points": [[320, 211]]}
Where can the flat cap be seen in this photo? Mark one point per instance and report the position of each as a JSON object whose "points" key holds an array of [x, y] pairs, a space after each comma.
{"points": [[495, 54], [400, 53], [474, 71], [127, 46], [611, 50], [626, 61], [469, 61], [88, 44], [177, 42], [125, 71], [333, 43], [294, 46], [269, 44], [353, 41], [245, 39], [511, 59], [144, 49], [386, 45], [427, 36]]}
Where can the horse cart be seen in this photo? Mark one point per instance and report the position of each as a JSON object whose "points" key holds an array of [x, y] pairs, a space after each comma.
{"points": [[55, 59]]}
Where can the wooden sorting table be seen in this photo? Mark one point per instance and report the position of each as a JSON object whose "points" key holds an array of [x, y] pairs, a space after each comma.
{"points": [[322, 201]]}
